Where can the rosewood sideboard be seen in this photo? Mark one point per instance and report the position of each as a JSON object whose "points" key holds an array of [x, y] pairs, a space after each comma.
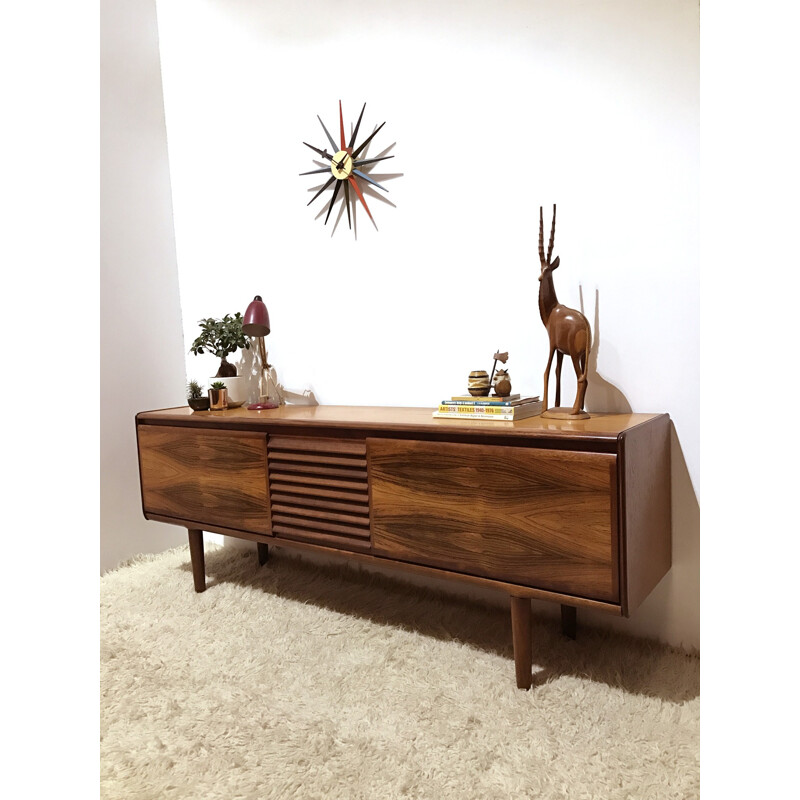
{"points": [[574, 512]]}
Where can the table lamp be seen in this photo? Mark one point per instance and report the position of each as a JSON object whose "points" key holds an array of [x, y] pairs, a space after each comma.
{"points": [[256, 324]]}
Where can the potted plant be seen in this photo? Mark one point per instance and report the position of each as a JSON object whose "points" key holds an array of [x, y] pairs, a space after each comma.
{"points": [[195, 397], [221, 337], [218, 396]]}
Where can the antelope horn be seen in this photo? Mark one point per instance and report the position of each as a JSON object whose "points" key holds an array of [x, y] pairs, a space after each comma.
{"points": [[541, 237], [552, 235]]}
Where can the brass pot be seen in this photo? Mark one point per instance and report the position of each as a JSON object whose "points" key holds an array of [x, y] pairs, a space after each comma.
{"points": [[218, 399]]}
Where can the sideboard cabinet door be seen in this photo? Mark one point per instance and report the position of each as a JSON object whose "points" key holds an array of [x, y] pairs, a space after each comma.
{"points": [[216, 478], [541, 518]]}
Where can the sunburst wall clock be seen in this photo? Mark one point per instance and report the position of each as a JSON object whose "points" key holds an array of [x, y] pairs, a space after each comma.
{"points": [[345, 166]]}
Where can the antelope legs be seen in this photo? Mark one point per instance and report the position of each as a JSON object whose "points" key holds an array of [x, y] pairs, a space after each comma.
{"points": [[559, 362], [579, 361], [546, 378]]}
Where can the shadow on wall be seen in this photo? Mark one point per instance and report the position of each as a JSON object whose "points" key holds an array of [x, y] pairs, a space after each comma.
{"points": [[601, 395], [250, 366], [675, 603]]}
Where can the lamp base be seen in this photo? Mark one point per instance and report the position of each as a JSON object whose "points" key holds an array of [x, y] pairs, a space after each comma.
{"points": [[261, 406]]}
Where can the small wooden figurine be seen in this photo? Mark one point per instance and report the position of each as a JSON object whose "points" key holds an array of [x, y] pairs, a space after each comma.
{"points": [[568, 330], [502, 383]]}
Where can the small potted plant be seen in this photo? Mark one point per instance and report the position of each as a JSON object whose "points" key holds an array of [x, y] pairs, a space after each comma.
{"points": [[218, 396], [221, 337], [195, 397]]}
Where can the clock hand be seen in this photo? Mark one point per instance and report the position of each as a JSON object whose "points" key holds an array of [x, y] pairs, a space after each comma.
{"points": [[361, 197], [321, 190], [333, 200], [324, 153], [355, 132], [364, 161], [368, 140], [330, 138], [367, 178]]}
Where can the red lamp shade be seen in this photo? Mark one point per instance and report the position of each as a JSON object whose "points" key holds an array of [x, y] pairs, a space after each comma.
{"points": [[256, 318]]}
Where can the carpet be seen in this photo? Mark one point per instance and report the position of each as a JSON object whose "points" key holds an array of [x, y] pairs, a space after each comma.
{"points": [[300, 680]]}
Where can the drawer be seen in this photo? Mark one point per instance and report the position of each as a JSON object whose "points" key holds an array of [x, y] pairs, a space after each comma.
{"points": [[210, 477], [540, 518]]}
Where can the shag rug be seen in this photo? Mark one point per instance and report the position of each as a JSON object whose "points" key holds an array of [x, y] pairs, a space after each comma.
{"points": [[300, 680]]}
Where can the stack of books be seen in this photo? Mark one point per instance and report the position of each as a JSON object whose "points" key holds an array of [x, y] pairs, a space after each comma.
{"points": [[502, 409]]}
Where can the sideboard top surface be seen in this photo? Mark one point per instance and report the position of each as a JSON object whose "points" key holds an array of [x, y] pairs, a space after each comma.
{"points": [[385, 418]]}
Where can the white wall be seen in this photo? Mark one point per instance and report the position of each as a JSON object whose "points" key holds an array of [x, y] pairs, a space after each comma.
{"points": [[594, 106], [142, 353]]}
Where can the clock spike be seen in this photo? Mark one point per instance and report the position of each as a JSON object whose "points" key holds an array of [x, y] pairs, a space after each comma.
{"points": [[368, 140], [364, 161], [361, 197], [347, 203], [321, 191], [367, 178], [333, 200], [330, 138], [355, 131], [315, 171], [341, 126]]}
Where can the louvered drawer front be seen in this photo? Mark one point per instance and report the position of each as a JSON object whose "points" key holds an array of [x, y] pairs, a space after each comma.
{"points": [[318, 490]]}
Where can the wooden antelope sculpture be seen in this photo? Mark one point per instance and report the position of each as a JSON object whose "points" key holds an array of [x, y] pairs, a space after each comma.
{"points": [[568, 330]]}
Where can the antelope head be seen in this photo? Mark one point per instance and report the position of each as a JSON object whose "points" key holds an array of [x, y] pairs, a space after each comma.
{"points": [[547, 265]]}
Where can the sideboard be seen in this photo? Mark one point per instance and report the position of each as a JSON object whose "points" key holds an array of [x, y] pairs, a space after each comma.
{"points": [[573, 512]]}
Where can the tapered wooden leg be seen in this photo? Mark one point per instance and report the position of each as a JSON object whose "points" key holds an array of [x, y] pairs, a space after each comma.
{"points": [[569, 621], [263, 553], [198, 559], [521, 635]]}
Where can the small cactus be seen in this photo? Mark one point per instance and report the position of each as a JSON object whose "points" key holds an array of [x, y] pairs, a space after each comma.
{"points": [[218, 385], [193, 390]]}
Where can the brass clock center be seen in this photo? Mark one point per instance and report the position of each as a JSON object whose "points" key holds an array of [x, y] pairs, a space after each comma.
{"points": [[342, 165]]}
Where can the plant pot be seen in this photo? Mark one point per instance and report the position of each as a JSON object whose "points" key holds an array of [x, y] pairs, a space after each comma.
{"points": [[198, 403], [237, 389], [218, 399]]}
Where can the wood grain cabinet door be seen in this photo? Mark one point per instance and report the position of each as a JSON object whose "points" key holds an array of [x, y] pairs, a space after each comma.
{"points": [[541, 518], [210, 477]]}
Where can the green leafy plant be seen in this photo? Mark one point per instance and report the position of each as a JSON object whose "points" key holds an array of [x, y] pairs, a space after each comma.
{"points": [[221, 337], [193, 390], [218, 385]]}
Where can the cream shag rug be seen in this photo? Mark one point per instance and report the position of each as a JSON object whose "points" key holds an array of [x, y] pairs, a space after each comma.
{"points": [[295, 680]]}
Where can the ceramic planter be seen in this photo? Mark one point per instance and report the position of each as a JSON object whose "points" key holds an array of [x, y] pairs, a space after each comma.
{"points": [[237, 389]]}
